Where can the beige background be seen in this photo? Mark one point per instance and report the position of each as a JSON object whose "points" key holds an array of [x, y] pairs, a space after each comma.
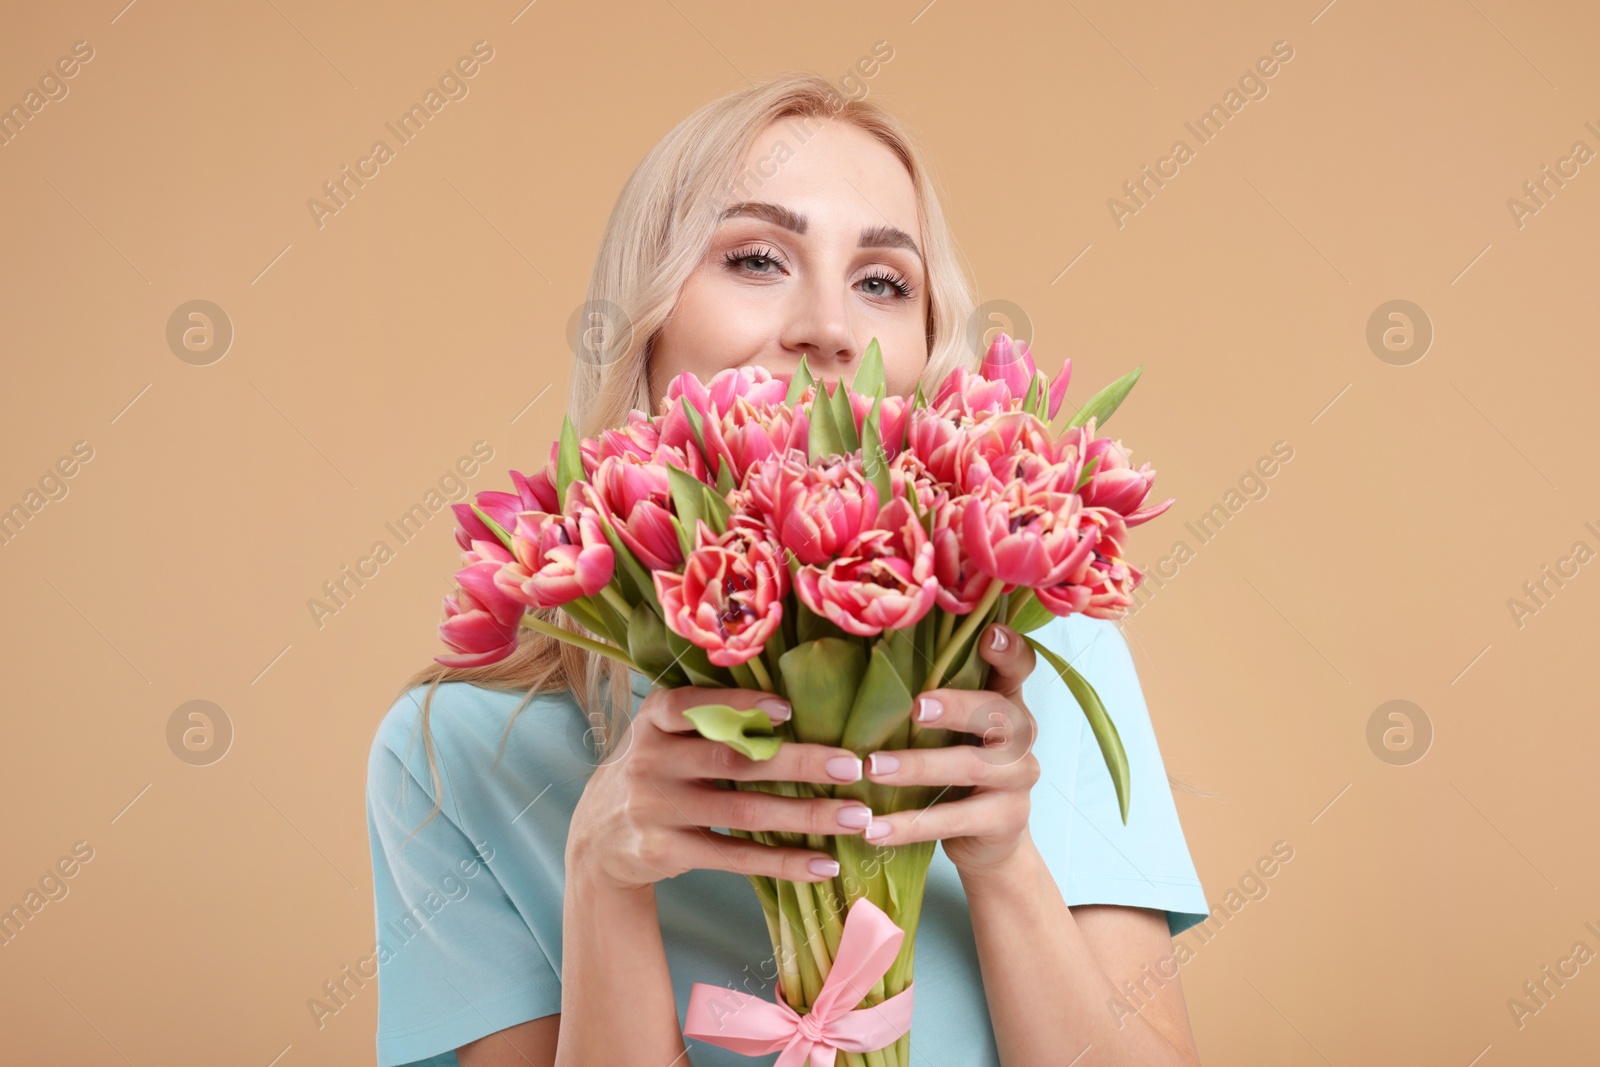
{"points": [[371, 352]]}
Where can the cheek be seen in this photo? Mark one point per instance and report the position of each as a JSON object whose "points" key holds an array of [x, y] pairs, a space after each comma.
{"points": [[905, 355], [712, 328]]}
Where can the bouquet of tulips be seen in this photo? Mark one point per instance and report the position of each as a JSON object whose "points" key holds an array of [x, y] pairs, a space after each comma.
{"points": [[842, 548]]}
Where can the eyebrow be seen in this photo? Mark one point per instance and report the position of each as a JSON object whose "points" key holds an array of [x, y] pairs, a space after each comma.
{"points": [[778, 215]]}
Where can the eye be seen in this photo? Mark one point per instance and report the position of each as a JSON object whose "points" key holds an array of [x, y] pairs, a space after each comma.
{"points": [[761, 255], [894, 282]]}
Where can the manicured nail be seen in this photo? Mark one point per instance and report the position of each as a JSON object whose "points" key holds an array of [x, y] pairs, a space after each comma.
{"points": [[928, 709], [883, 763], [855, 818], [844, 768], [826, 868], [877, 831], [777, 709], [998, 640]]}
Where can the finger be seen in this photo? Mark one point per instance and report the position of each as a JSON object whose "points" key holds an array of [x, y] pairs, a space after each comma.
{"points": [[724, 852], [1008, 767], [1011, 658], [991, 814], [752, 809], [795, 761], [995, 720], [665, 707]]}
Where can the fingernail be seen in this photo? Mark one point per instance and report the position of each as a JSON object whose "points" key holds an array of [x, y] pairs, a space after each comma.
{"points": [[928, 709], [883, 763], [998, 640], [777, 709], [844, 768], [826, 868], [855, 818], [876, 832]]}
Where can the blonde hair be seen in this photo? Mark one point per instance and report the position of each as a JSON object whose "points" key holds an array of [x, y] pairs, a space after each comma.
{"points": [[659, 230]]}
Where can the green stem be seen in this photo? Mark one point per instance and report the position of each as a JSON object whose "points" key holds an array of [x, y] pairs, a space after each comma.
{"points": [[550, 630], [970, 625], [806, 901], [1023, 598], [759, 669], [810, 981], [616, 600]]}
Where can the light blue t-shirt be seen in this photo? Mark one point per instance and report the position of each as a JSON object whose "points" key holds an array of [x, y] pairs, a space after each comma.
{"points": [[469, 911]]}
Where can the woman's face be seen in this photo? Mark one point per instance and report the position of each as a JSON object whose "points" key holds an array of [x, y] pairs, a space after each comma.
{"points": [[815, 261]]}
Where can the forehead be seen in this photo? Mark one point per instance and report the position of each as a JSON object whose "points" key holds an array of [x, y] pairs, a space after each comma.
{"points": [[836, 174]]}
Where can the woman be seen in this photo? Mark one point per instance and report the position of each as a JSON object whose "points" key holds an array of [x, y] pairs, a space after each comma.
{"points": [[570, 880]]}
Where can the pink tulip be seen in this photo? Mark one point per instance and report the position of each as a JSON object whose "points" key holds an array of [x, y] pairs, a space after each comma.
{"points": [[1114, 484], [884, 580], [755, 383], [1105, 590], [961, 583], [1014, 446], [1010, 362], [935, 439], [1028, 538], [891, 419], [744, 435], [474, 633], [533, 494], [636, 498], [639, 439], [966, 396], [559, 557], [815, 509], [908, 475], [729, 598]]}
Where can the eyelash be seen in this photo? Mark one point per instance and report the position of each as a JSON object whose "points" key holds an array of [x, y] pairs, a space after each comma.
{"points": [[902, 287]]}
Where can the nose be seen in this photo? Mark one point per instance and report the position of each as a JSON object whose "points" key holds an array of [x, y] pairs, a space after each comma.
{"points": [[817, 325]]}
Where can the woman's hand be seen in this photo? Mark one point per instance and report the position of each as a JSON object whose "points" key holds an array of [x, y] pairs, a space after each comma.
{"points": [[646, 812], [982, 830]]}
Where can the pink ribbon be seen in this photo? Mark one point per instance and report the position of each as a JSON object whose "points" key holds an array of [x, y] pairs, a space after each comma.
{"points": [[749, 1025]]}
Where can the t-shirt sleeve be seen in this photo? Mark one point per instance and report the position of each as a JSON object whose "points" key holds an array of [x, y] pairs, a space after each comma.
{"points": [[1077, 823], [456, 959]]}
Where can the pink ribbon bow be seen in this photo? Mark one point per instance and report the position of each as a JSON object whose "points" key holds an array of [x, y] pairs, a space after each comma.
{"points": [[738, 1021]]}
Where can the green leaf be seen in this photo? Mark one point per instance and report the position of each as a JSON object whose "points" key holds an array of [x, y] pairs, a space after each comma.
{"points": [[649, 649], [689, 502], [715, 509], [583, 612], [724, 477], [748, 731], [1107, 400], [900, 646], [869, 376], [695, 423], [798, 382], [1031, 615], [974, 668], [823, 435], [844, 419], [821, 678], [494, 527], [1088, 472], [569, 460], [1105, 731], [696, 666], [632, 573], [918, 398], [614, 626], [873, 460], [1030, 402], [882, 704]]}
